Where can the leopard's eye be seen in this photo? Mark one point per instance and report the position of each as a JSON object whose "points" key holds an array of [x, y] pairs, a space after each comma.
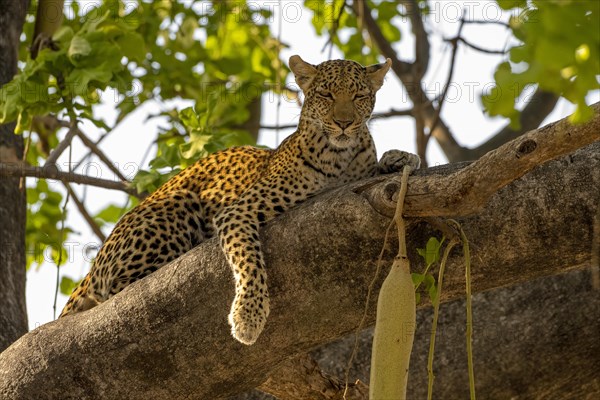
{"points": [[361, 96], [325, 95]]}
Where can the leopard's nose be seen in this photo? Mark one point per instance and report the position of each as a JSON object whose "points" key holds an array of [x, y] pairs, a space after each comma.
{"points": [[343, 123]]}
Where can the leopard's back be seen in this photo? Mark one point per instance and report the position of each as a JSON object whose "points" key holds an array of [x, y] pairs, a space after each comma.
{"points": [[168, 223]]}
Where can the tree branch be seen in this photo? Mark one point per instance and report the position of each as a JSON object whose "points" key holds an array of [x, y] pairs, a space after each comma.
{"points": [[478, 48], [96, 143], [413, 86], [363, 13], [100, 154], [438, 111], [468, 190], [422, 47], [487, 22], [393, 113], [162, 333], [62, 146], [537, 109], [52, 172], [278, 127], [381, 115], [334, 28]]}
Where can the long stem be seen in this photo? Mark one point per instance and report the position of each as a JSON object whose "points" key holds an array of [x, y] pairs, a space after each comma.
{"points": [[467, 255], [436, 312], [469, 331]]}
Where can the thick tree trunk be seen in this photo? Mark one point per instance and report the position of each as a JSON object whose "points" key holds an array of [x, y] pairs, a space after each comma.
{"points": [[166, 336], [13, 314]]}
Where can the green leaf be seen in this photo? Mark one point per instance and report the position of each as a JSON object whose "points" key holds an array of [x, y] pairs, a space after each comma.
{"points": [[63, 34], [189, 118], [78, 49], [23, 122], [149, 181], [431, 252], [559, 53], [110, 214], [509, 4], [67, 285], [132, 45], [429, 281], [195, 147], [433, 293], [185, 36], [417, 278]]}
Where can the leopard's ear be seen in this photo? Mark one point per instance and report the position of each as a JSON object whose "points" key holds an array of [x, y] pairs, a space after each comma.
{"points": [[303, 71], [376, 73]]}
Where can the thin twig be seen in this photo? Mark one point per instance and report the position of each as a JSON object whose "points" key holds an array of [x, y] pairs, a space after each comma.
{"points": [[400, 223], [334, 27], [97, 143], [393, 113], [469, 338], [469, 306], [487, 22], [60, 245], [438, 111], [100, 154], [62, 145], [277, 127], [436, 313], [278, 71], [85, 214], [52, 172], [476, 47]]}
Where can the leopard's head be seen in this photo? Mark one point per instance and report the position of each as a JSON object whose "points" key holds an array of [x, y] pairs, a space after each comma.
{"points": [[339, 96]]}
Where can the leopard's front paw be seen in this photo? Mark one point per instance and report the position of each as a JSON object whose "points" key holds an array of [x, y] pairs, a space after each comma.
{"points": [[396, 160], [248, 317]]}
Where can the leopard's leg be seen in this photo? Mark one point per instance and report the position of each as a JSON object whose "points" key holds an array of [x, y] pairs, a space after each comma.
{"points": [[237, 227]]}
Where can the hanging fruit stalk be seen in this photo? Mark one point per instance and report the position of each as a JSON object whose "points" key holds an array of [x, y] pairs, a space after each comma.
{"points": [[396, 320]]}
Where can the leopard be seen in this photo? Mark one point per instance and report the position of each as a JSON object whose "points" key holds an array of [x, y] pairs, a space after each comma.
{"points": [[234, 192]]}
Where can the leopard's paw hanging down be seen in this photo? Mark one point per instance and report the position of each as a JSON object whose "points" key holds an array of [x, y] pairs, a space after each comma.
{"points": [[248, 317], [232, 193]]}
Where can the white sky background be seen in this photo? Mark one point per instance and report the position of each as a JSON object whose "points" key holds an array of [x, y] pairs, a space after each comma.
{"points": [[462, 112]]}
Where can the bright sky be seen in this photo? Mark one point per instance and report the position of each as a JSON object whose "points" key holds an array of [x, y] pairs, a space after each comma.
{"points": [[462, 112]]}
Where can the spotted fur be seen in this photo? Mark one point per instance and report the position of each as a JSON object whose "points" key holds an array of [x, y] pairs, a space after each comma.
{"points": [[232, 193]]}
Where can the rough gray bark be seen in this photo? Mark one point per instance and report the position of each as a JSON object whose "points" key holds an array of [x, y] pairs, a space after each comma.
{"points": [[13, 314], [167, 336]]}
